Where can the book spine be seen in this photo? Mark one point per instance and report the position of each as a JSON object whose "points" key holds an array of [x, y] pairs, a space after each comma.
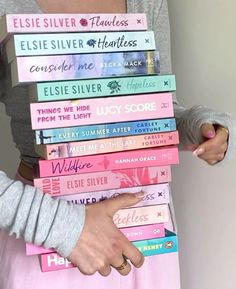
{"points": [[83, 66], [64, 90], [101, 110], [140, 233], [112, 161], [53, 262], [104, 180], [141, 216], [151, 247], [78, 43], [132, 234], [83, 148], [121, 129], [36, 250], [45, 23], [154, 195]]}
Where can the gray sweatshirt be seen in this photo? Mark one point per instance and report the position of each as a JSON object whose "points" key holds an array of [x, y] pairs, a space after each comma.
{"points": [[24, 210]]}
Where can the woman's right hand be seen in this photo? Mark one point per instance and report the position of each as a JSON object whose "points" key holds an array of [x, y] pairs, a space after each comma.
{"points": [[101, 244]]}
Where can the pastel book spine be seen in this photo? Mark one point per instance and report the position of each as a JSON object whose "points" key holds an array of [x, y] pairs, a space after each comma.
{"points": [[92, 147], [141, 216], [46, 23], [162, 156], [83, 66], [151, 247], [77, 89], [78, 43], [90, 132], [154, 195], [104, 180], [57, 114], [132, 234]]}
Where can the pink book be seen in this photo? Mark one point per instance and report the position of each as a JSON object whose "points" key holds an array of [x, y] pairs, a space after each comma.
{"points": [[113, 161], [141, 216], [44, 23], [107, 145], [54, 262], [84, 66], [101, 110], [133, 234], [104, 180], [154, 195]]}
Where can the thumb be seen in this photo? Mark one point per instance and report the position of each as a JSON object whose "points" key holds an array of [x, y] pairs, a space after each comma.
{"points": [[208, 131], [122, 201]]}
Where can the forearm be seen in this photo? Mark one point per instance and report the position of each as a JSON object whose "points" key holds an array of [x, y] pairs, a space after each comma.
{"points": [[38, 218]]}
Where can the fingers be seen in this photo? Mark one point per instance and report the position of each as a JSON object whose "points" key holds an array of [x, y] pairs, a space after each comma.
{"points": [[122, 266], [122, 201], [208, 130], [213, 150], [105, 271], [101, 244], [222, 130], [134, 255]]}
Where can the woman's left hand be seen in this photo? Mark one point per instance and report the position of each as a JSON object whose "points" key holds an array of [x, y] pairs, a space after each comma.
{"points": [[213, 148]]}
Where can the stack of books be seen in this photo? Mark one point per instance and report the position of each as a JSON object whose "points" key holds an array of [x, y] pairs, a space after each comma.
{"points": [[102, 115]]}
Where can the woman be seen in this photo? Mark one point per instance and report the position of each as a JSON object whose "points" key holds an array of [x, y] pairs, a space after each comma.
{"points": [[30, 218]]}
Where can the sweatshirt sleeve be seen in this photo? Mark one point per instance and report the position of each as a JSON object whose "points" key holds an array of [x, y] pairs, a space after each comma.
{"points": [[39, 219], [189, 121]]}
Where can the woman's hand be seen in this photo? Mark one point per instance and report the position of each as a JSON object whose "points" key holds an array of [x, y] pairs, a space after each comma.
{"points": [[101, 244], [214, 146]]}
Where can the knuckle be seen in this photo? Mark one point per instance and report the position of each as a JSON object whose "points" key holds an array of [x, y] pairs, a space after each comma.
{"points": [[221, 157], [102, 265], [88, 271], [211, 162], [224, 147], [113, 254], [140, 261], [125, 273]]}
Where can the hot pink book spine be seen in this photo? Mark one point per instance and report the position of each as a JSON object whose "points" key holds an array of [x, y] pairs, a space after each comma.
{"points": [[105, 180], [83, 148], [53, 262], [155, 195], [101, 110], [161, 156], [144, 232], [141, 216], [36, 250], [132, 234]]}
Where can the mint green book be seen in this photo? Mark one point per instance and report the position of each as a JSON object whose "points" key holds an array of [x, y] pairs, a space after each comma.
{"points": [[102, 87]]}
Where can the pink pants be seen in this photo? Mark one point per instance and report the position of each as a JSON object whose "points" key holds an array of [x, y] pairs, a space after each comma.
{"points": [[18, 271]]}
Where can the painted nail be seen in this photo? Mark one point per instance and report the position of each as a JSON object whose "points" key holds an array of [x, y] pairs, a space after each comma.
{"points": [[210, 134], [140, 195], [198, 152]]}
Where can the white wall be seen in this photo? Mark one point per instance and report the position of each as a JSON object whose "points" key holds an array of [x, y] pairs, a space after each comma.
{"points": [[204, 61]]}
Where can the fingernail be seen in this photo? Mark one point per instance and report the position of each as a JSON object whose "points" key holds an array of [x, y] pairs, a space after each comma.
{"points": [[198, 152], [140, 195], [210, 134]]}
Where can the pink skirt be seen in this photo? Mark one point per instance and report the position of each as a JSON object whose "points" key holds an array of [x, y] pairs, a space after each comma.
{"points": [[18, 271]]}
